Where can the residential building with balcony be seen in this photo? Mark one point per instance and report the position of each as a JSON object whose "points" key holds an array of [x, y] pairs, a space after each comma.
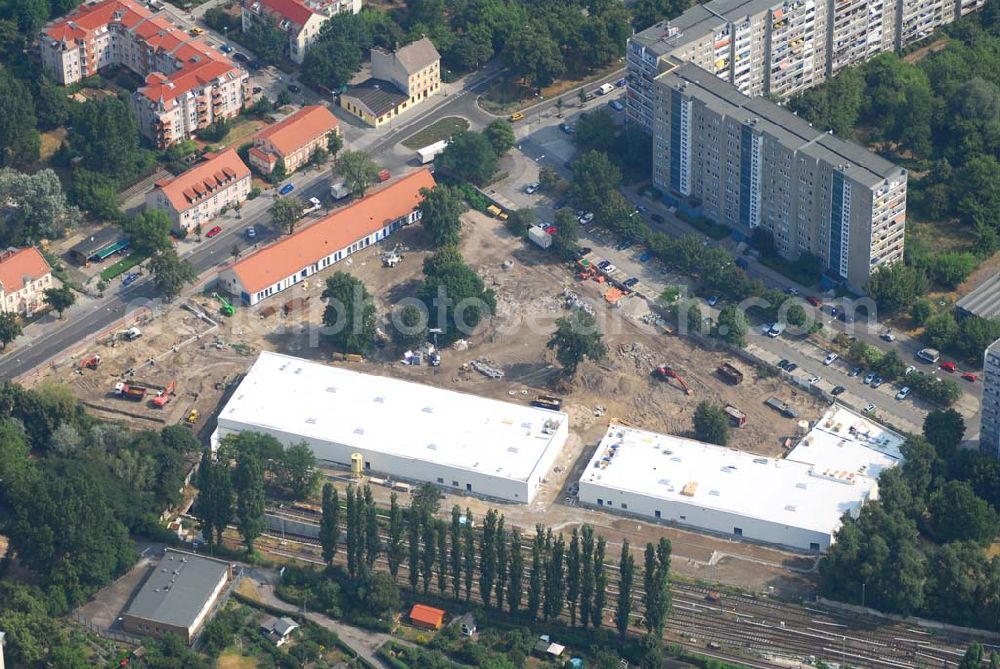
{"points": [[400, 80], [198, 195], [25, 275], [301, 20], [294, 139], [188, 83], [989, 426], [778, 47], [751, 164]]}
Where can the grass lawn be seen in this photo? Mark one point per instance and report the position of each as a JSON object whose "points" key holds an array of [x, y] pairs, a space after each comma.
{"points": [[122, 266], [440, 129], [240, 133], [51, 141], [232, 659]]}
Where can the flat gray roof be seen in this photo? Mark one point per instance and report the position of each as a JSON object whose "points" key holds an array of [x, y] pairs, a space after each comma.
{"points": [[792, 131], [699, 21], [178, 589], [984, 300]]}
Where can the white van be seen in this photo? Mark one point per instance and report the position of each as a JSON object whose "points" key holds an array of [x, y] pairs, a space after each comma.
{"points": [[604, 89], [930, 355]]}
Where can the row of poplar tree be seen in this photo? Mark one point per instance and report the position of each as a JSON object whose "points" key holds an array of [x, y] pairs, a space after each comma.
{"points": [[559, 577]]}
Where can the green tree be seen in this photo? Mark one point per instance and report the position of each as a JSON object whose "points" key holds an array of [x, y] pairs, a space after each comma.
{"points": [[554, 588], [105, 135], [441, 530], [487, 557], [455, 558], [941, 331], [577, 337], [428, 550], [519, 220], [973, 658], [286, 212], [426, 499], [349, 314], [409, 326], [267, 41], [297, 471], [548, 178], [586, 573], [468, 553], [957, 514], [890, 366], [535, 579], [358, 170], [600, 585], [331, 63], [567, 233], [170, 272], [459, 292], [920, 311], [440, 213], [60, 299], [532, 54], [394, 547], [469, 156], [796, 315], [944, 429], [596, 131], [500, 135], [896, 286], [35, 206], [516, 571], [732, 326], [500, 559], [249, 476], [573, 575], [352, 536], [10, 328], [711, 424], [626, 571], [19, 140], [595, 177], [329, 526]]}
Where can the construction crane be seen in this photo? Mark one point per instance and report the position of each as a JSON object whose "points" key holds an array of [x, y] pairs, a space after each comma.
{"points": [[227, 309], [664, 372], [93, 362]]}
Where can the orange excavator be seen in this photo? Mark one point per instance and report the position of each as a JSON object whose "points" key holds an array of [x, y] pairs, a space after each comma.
{"points": [[163, 396], [664, 372], [93, 362]]}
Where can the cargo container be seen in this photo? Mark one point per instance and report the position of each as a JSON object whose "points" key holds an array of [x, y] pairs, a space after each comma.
{"points": [[730, 374], [428, 153], [540, 237]]}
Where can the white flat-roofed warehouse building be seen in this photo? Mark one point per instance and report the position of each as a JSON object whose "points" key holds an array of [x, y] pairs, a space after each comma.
{"points": [[730, 492], [402, 429]]}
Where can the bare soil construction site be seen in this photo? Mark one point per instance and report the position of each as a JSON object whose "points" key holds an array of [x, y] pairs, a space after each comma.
{"points": [[192, 344]]}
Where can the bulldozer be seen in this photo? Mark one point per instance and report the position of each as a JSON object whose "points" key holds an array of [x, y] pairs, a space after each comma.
{"points": [[93, 362], [664, 372], [192, 417]]}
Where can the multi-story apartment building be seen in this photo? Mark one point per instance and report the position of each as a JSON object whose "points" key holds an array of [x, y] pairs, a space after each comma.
{"points": [[294, 139], [778, 47], [199, 194], [188, 84], [24, 278], [989, 427], [301, 20], [749, 163]]}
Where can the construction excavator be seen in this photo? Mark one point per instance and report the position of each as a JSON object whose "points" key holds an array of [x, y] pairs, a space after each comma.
{"points": [[664, 372], [93, 362], [163, 396]]}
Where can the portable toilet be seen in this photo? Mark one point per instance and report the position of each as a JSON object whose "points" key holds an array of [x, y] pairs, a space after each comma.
{"points": [[357, 464]]}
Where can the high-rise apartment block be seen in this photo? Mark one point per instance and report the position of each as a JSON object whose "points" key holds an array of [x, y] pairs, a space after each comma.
{"points": [[749, 163], [989, 428], [188, 83], [779, 47]]}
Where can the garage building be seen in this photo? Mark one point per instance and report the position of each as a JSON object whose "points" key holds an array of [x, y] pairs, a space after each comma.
{"points": [[722, 490], [401, 429]]}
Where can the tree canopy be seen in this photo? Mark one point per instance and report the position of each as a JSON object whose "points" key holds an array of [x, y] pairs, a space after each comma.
{"points": [[577, 337], [358, 170], [439, 213], [469, 156], [349, 317], [454, 295]]}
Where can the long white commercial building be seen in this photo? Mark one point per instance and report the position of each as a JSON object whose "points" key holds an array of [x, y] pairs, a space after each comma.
{"points": [[401, 429], [738, 494]]}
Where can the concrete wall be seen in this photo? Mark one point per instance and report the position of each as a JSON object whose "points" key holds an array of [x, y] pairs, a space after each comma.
{"points": [[720, 522]]}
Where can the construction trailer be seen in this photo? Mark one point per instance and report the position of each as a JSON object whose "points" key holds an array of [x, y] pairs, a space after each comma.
{"points": [[540, 237], [430, 152]]}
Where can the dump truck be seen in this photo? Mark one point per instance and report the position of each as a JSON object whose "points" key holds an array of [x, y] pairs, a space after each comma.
{"points": [[547, 402], [736, 416], [132, 392], [781, 407], [730, 374]]}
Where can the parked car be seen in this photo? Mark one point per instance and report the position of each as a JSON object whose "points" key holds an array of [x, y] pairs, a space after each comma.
{"points": [[294, 89], [621, 82], [909, 370], [791, 367], [516, 116], [877, 381], [814, 379], [888, 336], [970, 377], [838, 390], [616, 105], [586, 218], [829, 359], [640, 209], [566, 128], [713, 300], [604, 263], [197, 31], [792, 291], [608, 269], [646, 256], [130, 278], [560, 203], [582, 252], [631, 283], [854, 371], [783, 363], [869, 408], [257, 89], [286, 189], [870, 377], [657, 218], [531, 189], [225, 48], [242, 57], [949, 367], [903, 393], [624, 244], [251, 232], [775, 330], [813, 300], [214, 231]]}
